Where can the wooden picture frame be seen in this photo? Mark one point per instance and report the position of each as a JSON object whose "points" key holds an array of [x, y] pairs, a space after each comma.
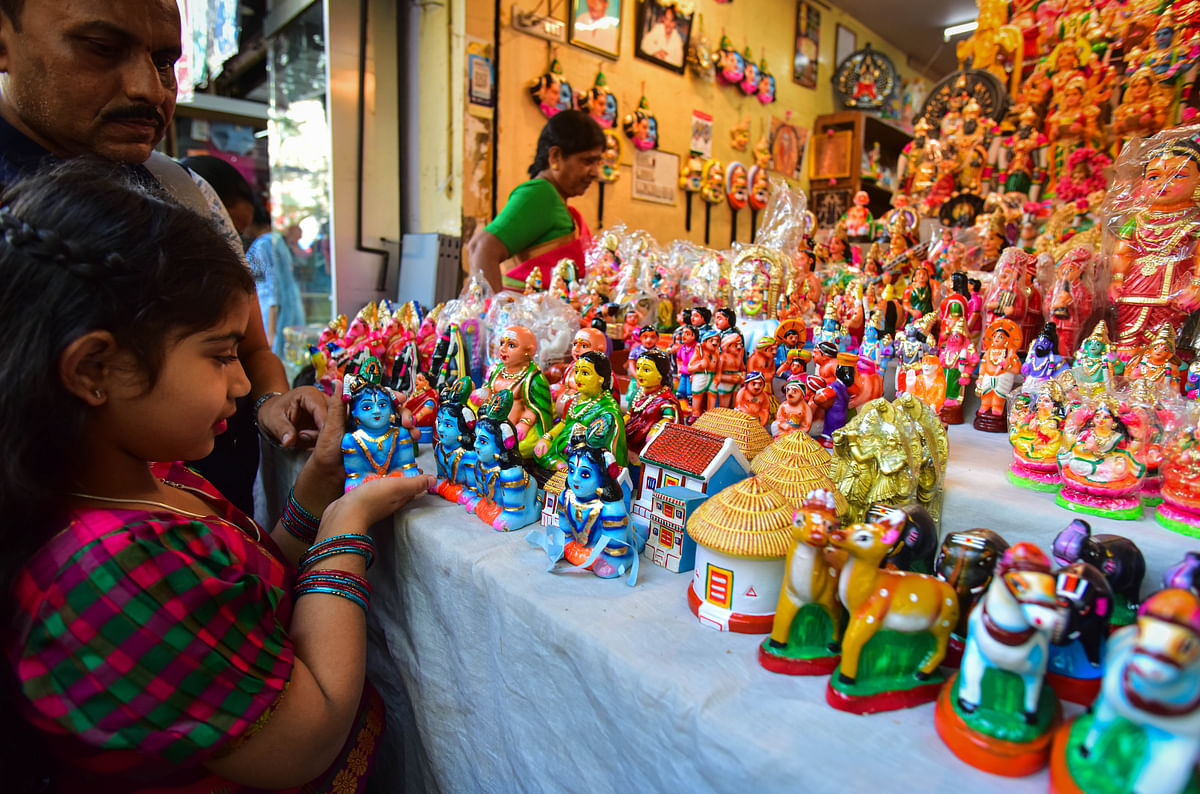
{"points": [[806, 55], [653, 42], [601, 35], [831, 156], [846, 44]]}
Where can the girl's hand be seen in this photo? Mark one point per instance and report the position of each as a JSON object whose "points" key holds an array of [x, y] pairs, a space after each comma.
{"points": [[327, 453], [373, 501]]}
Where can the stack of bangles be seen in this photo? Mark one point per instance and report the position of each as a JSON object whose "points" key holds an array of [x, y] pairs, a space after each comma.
{"points": [[299, 523], [347, 585]]}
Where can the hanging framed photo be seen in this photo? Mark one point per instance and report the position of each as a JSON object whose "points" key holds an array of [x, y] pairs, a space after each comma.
{"points": [[805, 60], [663, 31], [845, 44], [596, 26]]}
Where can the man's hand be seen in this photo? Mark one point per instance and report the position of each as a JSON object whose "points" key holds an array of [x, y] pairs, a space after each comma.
{"points": [[295, 418]]}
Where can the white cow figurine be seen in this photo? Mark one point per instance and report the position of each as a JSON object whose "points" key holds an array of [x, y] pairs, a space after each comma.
{"points": [[1011, 627]]}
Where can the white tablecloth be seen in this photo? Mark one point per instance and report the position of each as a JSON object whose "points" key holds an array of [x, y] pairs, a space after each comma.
{"points": [[523, 680]]}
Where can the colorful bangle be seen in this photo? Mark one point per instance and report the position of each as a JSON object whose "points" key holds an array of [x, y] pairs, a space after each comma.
{"points": [[337, 583], [299, 523], [362, 545]]}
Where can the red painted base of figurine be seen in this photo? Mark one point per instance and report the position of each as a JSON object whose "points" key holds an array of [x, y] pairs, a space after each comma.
{"points": [[1120, 507], [990, 423], [735, 621], [1151, 492], [1024, 476], [1176, 519], [951, 414], [1061, 781], [996, 756], [823, 665], [1077, 690], [954, 653], [883, 701]]}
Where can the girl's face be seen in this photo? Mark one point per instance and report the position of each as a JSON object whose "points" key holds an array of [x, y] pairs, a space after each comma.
{"points": [[200, 378]]}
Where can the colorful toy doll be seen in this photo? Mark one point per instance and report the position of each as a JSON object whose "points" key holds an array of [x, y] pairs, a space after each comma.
{"points": [[516, 373], [1151, 690], [1096, 367], [859, 221], [593, 531], [422, 404], [959, 361], [731, 368], [1155, 364], [794, 413], [565, 389], [452, 449], [650, 399], [1180, 508], [1006, 728], [1035, 425], [807, 630], [997, 375], [753, 399], [505, 496], [703, 369], [1100, 474], [834, 397], [381, 442], [1069, 301], [593, 375], [1043, 361], [1076, 662]]}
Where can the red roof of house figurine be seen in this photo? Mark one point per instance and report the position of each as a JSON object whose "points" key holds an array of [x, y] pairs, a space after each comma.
{"points": [[683, 449]]}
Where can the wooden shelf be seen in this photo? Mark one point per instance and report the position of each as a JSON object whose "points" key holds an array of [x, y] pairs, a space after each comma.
{"points": [[866, 130]]}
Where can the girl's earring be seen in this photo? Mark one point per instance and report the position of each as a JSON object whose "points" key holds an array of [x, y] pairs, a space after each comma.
{"points": [[98, 394]]}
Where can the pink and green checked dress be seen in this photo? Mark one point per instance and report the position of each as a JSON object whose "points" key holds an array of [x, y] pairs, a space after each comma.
{"points": [[148, 643]]}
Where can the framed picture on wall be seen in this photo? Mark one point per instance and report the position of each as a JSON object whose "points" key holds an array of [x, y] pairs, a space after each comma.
{"points": [[847, 43], [663, 31], [808, 40], [596, 26], [831, 156]]}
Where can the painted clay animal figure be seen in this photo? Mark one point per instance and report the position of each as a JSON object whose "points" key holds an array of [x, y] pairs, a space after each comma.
{"points": [[1012, 627], [1184, 574], [811, 570], [967, 561], [1118, 558], [918, 544], [1079, 646], [874, 598]]}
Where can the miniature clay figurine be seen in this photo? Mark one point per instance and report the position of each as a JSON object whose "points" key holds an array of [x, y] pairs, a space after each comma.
{"points": [[516, 373], [647, 339], [959, 361], [731, 368], [1069, 302], [1096, 366], [593, 376], [506, 494], [808, 619], [893, 610], [1006, 730], [859, 220], [1035, 430], [997, 374], [651, 401], [1151, 686], [930, 386], [1180, 508], [1100, 474], [762, 360], [565, 390], [1076, 662], [455, 437], [918, 297], [794, 413], [1043, 361], [966, 561], [703, 370], [381, 443], [834, 397], [753, 398], [593, 531], [1118, 558], [422, 404], [1156, 365]]}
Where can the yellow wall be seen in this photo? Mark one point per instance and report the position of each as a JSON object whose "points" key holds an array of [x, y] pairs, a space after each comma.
{"points": [[767, 26]]}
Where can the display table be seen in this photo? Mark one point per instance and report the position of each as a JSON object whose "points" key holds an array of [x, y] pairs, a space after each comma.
{"points": [[520, 679]]}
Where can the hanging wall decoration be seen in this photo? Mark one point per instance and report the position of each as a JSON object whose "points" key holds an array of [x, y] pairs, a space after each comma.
{"points": [[600, 103], [712, 190], [739, 136], [760, 191], [766, 84], [700, 57], [865, 80], [808, 41], [731, 67], [737, 193], [609, 169], [663, 30], [641, 126], [551, 92], [749, 84], [691, 177]]}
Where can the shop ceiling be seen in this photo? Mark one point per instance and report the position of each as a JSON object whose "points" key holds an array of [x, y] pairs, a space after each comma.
{"points": [[915, 26]]}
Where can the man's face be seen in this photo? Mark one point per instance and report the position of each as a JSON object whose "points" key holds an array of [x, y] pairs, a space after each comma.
{"points": [[669, 20], [597, 8], [91, 76]]}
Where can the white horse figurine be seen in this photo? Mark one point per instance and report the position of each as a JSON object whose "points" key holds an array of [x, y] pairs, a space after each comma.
{"points": [[1011, 627], [1152, 679]]}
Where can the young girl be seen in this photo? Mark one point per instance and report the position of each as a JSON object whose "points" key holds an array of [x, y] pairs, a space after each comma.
{"points": [[155, 637]]}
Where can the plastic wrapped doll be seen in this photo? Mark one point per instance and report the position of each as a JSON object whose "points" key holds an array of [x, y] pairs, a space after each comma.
{"points": [[1069, 302], [506, 496], [1155, 364], [1009, 297], [593, 531], [1100, 474], [997, 374], [752, 399], [794, 414], [453, 447], [1095, 365], [1035, 430], [593, 376], [1156, 262], [1191, 381], [1150, 686], [650, 400], [1043, 361], [1180, 508], [379, 445], [516, 372], [422, 404]]}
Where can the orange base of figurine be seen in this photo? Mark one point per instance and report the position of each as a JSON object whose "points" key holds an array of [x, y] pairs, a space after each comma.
{"points": [[823, 665], [1061, 781], [736, 621], [996, 756], [884, 701], [1077, 690]]}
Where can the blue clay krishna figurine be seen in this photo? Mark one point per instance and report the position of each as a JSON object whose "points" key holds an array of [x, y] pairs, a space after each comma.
{"points": [[379, 445], [593, 531], [505, 495], [455, 432], [1043, 361]]}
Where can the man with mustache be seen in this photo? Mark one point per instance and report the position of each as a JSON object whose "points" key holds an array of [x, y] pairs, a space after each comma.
{"points": [[97, 78]]}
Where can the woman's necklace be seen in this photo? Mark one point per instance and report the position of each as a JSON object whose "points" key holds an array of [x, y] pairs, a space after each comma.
{"points": [[169, 508]]}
